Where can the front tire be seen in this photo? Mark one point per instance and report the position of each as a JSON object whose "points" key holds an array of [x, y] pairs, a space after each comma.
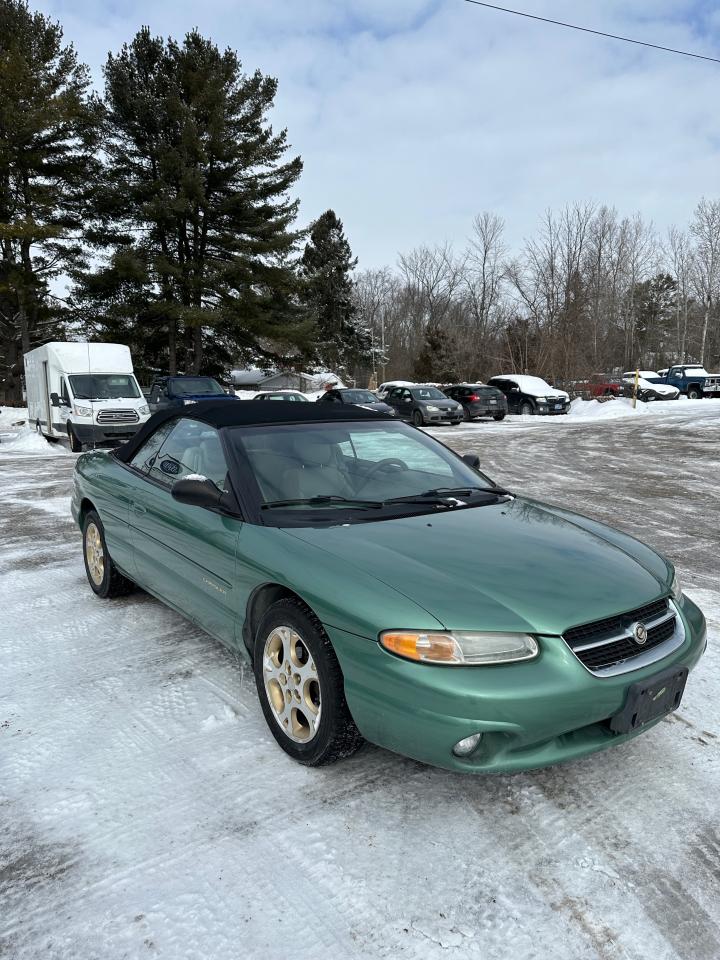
{"points": [[694, 393], [300, 685], [75, 444], [526, 409], [103, 576]]}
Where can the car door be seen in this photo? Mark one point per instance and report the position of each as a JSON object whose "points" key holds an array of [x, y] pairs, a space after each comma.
{"points": [[185, 554], [405, 405]]}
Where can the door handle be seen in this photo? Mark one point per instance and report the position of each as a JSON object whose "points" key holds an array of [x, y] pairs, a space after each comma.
{"points": [[139, 509]]}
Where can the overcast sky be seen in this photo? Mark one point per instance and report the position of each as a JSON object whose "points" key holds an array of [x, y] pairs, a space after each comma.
{"points": [[413, 115]]}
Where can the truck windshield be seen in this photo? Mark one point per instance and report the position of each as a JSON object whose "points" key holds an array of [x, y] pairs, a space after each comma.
{"points": [[194, 386], [104, 386]]}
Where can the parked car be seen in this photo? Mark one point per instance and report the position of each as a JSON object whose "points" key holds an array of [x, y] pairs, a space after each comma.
{"points": [[85, 392], [385, 388], [528, 395], [424, 404], [174, 392], [385, 589], [602, 385], [291, 395], [356, 397], [478, 400], [692, 379], [647, 387]]}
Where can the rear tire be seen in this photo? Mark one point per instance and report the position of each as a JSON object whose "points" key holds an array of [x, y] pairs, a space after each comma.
{"points": [[300, 685], [418, 419], [498, 416], [466, 415], [103, 576], [75, 444]]}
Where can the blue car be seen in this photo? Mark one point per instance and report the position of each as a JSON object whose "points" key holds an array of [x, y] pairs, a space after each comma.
{"points": [[167, 393]]}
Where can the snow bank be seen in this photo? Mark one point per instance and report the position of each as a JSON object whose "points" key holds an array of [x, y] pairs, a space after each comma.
{"points": [[9, 416], [608, 409], [622, 407], [27, 443]]}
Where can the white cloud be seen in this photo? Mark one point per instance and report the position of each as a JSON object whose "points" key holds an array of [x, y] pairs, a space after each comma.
{"points": [[413, 115]]}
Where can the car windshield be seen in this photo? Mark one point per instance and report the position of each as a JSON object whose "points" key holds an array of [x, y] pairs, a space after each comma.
{"points": [[195, 386], [359, 396], [428, 393], [354, 468], [104, 386], [282, 396]]}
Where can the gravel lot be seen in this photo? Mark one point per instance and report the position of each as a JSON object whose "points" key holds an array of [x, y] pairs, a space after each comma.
{"points": [[146, 810]]}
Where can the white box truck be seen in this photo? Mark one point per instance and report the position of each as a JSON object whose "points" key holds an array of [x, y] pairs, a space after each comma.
{"points": [[86, 392]]}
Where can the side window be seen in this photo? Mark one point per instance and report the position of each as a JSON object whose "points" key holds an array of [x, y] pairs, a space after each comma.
{"points": [[190, 448], [155, 393], [145, 457], [406, 395], [393, 394], [64, 393]]}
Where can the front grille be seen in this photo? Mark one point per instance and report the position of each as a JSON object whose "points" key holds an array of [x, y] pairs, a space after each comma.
{"points": [[118, 416], [608, 654], [606, 643], [610, 625]]}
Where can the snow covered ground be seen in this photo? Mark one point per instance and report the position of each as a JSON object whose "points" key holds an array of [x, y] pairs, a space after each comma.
{"points": [[147, 812]]}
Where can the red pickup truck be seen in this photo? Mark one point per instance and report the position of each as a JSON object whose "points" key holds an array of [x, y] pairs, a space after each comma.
{"points": [[597, 385]]}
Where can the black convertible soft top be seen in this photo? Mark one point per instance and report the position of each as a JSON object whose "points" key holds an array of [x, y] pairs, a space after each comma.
{"points": [[243, 413]]}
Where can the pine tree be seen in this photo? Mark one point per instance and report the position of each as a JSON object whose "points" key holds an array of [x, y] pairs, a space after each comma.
{"points": [[436, 362], [327, 262], [48, 136], [194, 217]]}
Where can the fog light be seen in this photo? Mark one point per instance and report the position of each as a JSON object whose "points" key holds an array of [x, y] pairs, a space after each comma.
{"points": [[464, 747]]}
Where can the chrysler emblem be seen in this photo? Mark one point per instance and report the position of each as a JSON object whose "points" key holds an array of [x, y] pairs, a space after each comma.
{"points": [[640, 634]]}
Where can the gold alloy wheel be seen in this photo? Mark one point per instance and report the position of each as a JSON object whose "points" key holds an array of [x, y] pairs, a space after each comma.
{"points": [[94, 554], [291, 684]]}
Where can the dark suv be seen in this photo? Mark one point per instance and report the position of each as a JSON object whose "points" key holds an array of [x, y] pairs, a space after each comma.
{"points": [[167, 392], [424, 404], [478, 400]]}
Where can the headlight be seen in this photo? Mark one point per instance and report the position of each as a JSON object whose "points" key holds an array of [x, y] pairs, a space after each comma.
{"points": [[541, 399], [462, 647], [82, 411], [432, 409], [143, 410], [676, 588]]}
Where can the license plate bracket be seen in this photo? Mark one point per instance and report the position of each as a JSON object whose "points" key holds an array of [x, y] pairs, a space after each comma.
{"points": [[650, 699]]}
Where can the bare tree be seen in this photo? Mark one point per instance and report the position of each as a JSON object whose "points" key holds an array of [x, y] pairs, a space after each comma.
{"points": [[705, 229]]}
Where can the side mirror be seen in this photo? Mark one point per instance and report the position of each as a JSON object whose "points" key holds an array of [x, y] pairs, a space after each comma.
{"points": [[197, 493], [54, 399], [514, 389], [472, 460]]}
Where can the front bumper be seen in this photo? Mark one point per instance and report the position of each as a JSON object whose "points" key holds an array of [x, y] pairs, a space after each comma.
{"points": [[531, 714], [105, 432], [550, 409], [445, 416]]}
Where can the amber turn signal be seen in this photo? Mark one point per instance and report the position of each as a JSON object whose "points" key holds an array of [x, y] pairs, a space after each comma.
{"points": [[430, 647]]}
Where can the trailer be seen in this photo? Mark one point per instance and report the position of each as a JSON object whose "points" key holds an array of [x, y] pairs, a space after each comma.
{"points": [[84, 392]]}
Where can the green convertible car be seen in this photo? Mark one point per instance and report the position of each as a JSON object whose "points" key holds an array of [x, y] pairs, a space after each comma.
{"points": [[385, 589]]}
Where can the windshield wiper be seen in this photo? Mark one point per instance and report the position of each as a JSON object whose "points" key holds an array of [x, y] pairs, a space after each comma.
{"points": [[321, 501], [446, 496]]}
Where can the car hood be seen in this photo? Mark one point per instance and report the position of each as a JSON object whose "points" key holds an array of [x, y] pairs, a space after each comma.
{"points": [[199, 397], [516, 566]]}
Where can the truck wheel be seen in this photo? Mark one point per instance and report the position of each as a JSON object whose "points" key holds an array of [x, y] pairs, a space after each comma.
{"points": [[75, 445], [694, 393], [103, 576], [300, 685]]}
